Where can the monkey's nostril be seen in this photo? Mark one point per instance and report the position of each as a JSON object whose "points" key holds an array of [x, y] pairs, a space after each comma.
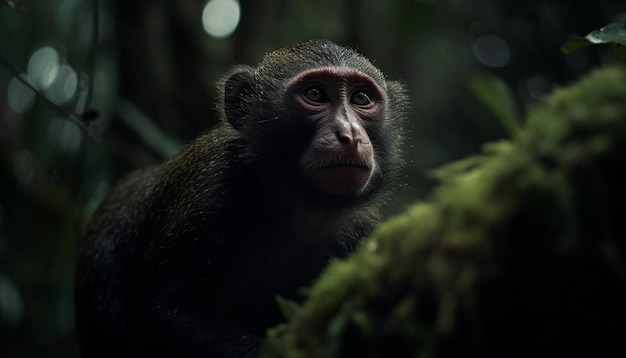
{"points": [[344, 138]]}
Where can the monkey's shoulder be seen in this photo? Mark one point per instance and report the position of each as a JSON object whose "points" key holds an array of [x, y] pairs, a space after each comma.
{"points": [[147, 194], [125, 206], [212, 150]]}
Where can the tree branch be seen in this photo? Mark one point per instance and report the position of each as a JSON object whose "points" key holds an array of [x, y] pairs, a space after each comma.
{"points": [[42, 97]]}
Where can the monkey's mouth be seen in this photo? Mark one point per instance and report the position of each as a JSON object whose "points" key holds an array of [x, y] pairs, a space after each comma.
{"points": [[341, 177], [345, 164]]}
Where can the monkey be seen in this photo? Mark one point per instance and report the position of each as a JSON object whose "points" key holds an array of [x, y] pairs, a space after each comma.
{"points": [[186, 258]]}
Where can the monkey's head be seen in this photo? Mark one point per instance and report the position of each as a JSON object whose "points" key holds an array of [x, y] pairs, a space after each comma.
{"points": [[320, 118]]}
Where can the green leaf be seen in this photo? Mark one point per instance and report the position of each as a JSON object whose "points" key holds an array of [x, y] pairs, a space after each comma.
{"points": [[615, 32], [497, 96], [575, 45], [288, 308]]}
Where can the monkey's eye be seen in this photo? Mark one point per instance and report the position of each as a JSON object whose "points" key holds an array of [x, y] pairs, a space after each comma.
{"points": [[361, 98], [315, 94]]}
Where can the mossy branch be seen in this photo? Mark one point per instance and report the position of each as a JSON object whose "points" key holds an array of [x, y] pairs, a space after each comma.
{"points": [[523, 251]]}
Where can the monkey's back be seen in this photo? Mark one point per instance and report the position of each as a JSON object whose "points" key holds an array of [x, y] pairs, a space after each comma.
{"points": [[180, 232], [129, 224]]}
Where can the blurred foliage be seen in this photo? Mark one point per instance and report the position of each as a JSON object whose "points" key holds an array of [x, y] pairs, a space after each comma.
{"points": [[521, 253], [149, 69], [498, 97]]}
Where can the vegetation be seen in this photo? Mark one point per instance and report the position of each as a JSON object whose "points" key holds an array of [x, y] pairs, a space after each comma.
{"points": [[146, 69], [520, 251]]}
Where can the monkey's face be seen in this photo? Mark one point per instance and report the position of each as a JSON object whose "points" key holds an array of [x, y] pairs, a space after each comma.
{"points": [[340, 104], [319, 120]]}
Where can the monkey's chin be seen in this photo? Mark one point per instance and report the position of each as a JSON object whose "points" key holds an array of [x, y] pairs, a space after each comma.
{"points": [[340, 181]]}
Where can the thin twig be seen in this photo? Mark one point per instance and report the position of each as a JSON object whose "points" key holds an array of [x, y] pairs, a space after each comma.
{"points": [[77, 185], [93, 49], [42, 97]]}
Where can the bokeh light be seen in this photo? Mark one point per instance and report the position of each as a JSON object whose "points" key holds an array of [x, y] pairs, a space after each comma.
{"points": [[64, 86], [48, 73], [221, 17], [19, 97], [23, 167], [43, 67], [64, 135], [492, 51], [11, 303], [537, 86]]}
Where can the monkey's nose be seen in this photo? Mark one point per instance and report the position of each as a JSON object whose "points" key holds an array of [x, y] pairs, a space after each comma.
{"points": [[349, 135], [349, 141]]}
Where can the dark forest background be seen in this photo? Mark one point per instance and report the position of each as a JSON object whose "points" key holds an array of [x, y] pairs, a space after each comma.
{"points": [[149, 68]]}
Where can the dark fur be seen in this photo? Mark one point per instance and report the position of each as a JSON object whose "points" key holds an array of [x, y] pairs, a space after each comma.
{"points": [[186, 258]]}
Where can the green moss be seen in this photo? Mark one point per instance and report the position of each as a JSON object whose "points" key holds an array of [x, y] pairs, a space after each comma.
{"points": [[520, 248]]}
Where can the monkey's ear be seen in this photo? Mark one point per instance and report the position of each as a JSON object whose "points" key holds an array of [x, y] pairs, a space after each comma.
{"points": [[237, 92]]}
